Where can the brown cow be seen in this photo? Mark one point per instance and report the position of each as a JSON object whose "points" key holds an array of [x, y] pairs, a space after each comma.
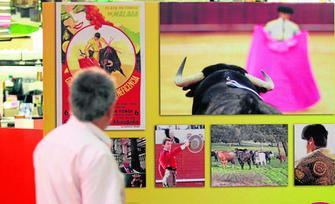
{"points": [[226, 157]]}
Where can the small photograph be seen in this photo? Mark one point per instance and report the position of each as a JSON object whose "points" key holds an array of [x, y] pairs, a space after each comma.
{"points": [[130, 156], [249, 155], [314, 154], [179, 155]]}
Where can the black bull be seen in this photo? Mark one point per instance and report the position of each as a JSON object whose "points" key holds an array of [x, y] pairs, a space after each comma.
{"points": [[109, 60], [225, 89]]}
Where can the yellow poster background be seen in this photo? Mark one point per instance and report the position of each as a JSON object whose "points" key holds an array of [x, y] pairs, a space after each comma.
{"points": [[150, 195]]}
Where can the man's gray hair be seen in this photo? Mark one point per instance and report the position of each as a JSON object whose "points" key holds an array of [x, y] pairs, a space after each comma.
{"points": [[92, 93]]}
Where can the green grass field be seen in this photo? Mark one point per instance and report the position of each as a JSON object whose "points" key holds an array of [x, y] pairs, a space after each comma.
{"points": [[273, 174]]}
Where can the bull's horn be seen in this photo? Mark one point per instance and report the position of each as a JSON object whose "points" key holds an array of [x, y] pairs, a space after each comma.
{"points": [[268, 83], [183, 82]]}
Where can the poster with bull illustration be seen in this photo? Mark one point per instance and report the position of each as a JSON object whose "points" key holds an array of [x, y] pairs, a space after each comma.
{"points": [[246, 58], [249, 155], [109, 36], [179, 156]]}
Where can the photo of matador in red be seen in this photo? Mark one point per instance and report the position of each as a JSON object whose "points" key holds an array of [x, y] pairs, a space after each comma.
{"points": [[168, 163], [179, 156]]}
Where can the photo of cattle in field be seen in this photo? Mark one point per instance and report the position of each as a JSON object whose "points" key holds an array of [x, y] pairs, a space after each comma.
{"points": [[221, 59], [249, 155]]}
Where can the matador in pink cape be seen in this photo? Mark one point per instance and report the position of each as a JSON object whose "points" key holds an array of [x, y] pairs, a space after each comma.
{"points": [[287, 63]]}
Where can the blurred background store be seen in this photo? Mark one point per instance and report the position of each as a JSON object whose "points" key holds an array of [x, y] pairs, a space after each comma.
{"points": [[21, 64]]}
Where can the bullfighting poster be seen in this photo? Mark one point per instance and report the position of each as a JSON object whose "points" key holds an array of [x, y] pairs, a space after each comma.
{"points": [[109, 36]]}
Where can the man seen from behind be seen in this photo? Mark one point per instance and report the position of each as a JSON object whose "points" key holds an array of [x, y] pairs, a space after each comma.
{"points": [[73, 163]]}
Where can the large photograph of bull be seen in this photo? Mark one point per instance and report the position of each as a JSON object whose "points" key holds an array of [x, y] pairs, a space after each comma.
{"points": [[246, 58], [249, 155]]}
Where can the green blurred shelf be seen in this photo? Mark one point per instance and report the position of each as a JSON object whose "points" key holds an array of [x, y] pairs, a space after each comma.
{"points": [[17, 30], [22, 29]]}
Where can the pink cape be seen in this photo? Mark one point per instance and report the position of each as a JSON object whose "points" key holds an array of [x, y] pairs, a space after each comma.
{"points": [[287, 63]]}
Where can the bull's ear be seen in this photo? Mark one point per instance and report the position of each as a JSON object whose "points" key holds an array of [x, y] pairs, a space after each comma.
{"points": [[261, 89], [191, 89], [190, 93]]}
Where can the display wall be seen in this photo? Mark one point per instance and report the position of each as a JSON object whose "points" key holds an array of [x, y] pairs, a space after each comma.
{"points": [[207, 194]]}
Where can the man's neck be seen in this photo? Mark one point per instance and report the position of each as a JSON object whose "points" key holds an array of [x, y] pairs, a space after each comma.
{"points": [[101, 124], [316, 149]]}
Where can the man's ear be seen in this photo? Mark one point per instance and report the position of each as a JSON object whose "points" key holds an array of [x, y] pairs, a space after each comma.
{"points": [[311, 140]]}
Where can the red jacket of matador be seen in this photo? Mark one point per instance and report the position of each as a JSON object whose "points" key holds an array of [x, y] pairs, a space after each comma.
{"points": [[167, 159]]}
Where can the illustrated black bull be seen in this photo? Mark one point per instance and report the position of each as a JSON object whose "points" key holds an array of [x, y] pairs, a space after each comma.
{"points": [[225, 89], [109, 60]]}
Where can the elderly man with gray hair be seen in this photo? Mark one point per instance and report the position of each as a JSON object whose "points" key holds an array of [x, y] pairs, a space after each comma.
{"points": [[73, 163]]}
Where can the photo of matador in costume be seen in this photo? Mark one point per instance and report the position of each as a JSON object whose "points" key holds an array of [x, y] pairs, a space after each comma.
{"points": [[318, 167]]}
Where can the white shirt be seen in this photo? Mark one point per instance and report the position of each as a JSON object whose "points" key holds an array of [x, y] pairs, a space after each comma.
{"points": [[281, 29], [74, 165]]}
